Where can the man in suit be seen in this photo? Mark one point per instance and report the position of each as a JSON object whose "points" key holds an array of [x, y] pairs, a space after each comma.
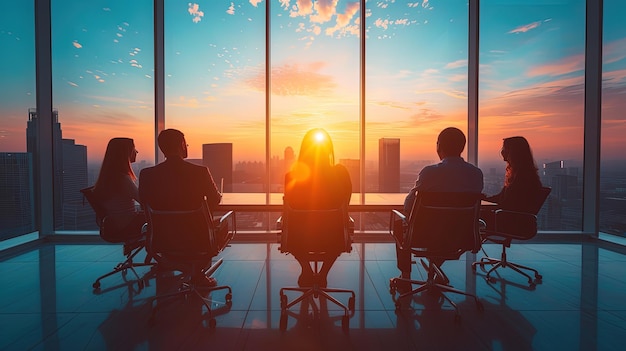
{"points": [[452, 174], [176, 184]]}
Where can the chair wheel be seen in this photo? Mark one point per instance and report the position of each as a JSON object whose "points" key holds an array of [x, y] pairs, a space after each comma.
{"points": [[283, 321], [96, 285], [491, 280], [229, 298], [351, 303], [212, 323], [392, 283], [538, 276], [345, 324]]}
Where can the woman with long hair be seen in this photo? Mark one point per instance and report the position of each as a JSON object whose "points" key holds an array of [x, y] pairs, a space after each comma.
{"points": [[315, 182], [521, 181], [117, 192]]}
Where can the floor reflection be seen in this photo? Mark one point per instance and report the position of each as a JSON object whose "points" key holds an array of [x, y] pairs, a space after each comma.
{"points": [[47, 302]]}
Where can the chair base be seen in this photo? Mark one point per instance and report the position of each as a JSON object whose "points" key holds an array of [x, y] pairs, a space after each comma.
{"points": [[125, 266], [497, 263], [187, 288], [437, 282], [316, 292]]}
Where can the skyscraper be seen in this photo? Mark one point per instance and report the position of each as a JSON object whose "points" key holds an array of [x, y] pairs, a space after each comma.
{"points": [[70, 174], [218, 157], [17, 212], [389, 165]]}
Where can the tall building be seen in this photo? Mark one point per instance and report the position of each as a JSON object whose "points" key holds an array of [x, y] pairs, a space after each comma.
{"points": [[218, 157], [354, 169], [32, 146], [290, 158], [17, 212], [75, 214], [70, 174], [389, 165]]}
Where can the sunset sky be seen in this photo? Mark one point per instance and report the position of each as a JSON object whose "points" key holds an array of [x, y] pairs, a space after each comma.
{"points": [[531, 74]]}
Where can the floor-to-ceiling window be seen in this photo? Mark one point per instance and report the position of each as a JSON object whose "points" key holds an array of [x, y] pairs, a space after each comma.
{"points": [[531, 84], [216, 79], [17, 96], [102, 68], [613, 166]]}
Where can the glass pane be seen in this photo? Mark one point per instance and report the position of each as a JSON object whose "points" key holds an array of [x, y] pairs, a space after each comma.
{"points": [[613, 167], [314, 81], [416, 80], [215, 90], [17, 95], [532, 85], [102, 67]]}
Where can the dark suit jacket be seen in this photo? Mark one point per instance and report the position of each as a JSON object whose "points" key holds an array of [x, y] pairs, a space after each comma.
{"points": [[177, 185]]}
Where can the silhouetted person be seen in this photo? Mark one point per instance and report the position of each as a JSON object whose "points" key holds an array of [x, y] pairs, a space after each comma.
{"points": [[116, 191], [452, 174], [521, 181], [315, 182], [176, 184]]}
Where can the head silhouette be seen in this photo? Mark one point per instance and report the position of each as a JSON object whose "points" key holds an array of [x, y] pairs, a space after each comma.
{"points": [[316, 150], [518, 156], [172, 143], [119, 154], [450, 143]]}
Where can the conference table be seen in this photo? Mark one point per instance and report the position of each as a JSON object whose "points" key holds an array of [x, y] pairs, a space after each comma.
{"points": [[273, 202]]}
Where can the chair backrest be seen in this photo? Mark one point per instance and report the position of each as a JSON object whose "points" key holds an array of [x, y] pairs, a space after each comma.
{"points": [[444, 224], [520, 225], [542, 195], [94, 202], [181, 233], [315, 231]]}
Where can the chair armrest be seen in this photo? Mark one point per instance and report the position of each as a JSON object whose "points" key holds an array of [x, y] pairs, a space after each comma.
{"points": [[227, 216], [279, 223], [394, 216]]}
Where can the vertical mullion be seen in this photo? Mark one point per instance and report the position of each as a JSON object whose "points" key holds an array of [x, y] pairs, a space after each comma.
{"points": [[472, 81]]}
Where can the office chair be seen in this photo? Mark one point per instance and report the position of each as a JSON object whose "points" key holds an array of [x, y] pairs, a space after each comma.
{"points": [[132, 246], [315, 233], [440, 227], [186, 241], [508, 226]]}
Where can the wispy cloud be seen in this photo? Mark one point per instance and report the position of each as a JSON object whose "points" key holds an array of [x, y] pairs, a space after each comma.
{"points": [[77, 44], [255, 2], [567, 65], [449, 92], [296, 79], [194, 11], [525, 28], [456, 64], [231, 9]]}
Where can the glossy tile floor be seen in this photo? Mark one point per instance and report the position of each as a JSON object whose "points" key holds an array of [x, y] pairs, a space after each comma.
{"points": [[47, 303]]}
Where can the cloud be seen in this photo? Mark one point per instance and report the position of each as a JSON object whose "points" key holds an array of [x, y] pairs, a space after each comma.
{"points": [[380, 23], [567, 65], [231, 9], [325, 10], [301, 8], [77, 44], [343, 20], [457, 64], [452, 93], [614, 51], [72, 84], [194, 11], [525, 28], [296, 80], [255, 2]]}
